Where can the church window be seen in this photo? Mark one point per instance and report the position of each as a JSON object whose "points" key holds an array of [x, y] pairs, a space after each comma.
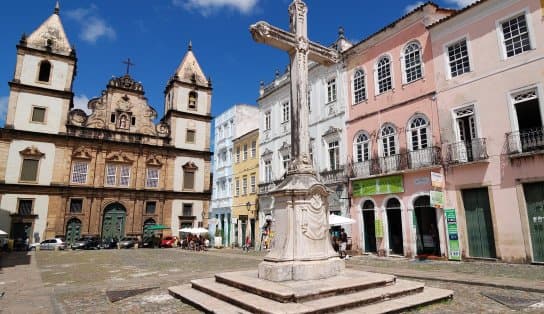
{"points": [[412, 63], [267, 120], [25, 206], [152, 178], [133, 121], [29, 170], [193, 97], [150, 208], [44, 73], [244, 185], [331, 90], [124, 177], [76, 205], [190, 137], [111, 173], [38, 114], [385, 81], [253, 149], [334, 155], [359, 88], [188, 179], [114, 171], [112, 118], [285, 112], [79, 172]]}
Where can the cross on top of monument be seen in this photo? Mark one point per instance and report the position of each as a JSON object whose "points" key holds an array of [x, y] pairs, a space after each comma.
{"points": [[295, 42], [129, 64]]}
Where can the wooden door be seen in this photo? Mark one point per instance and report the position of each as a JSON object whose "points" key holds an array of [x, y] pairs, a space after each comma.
{"points": [[534, 196], [73, 231], [481, 240]]}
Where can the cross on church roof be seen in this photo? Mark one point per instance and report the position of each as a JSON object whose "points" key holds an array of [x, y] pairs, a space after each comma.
{"points": [[128, 63]]}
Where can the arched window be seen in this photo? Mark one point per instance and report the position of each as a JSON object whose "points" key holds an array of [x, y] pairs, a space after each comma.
{"points": [[368, 204], [361, 147], [359, 87], [193, 97], [412, 62], [44, 73], [418, 133], [392, 203], [388, 139], [383, 68]]}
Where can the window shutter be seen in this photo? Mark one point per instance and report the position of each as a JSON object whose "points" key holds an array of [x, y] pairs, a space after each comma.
{"points": [[29, 170], [188, 180]]}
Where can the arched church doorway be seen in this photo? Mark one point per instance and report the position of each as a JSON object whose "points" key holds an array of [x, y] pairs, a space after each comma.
{"points": [[369, 231], [394, 226], [428, 241], [148, 233], [73, 230], [113, 224]]}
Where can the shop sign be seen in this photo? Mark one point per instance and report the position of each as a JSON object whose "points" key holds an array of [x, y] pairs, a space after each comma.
{"points": [[437, 179], [376, 186], [454, 252], [437, 199], [422, 181], [378, 228]]}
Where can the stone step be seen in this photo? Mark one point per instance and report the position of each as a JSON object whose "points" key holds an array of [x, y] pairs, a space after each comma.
{"points": [[300, 291], [203, 301], [428, 296]]}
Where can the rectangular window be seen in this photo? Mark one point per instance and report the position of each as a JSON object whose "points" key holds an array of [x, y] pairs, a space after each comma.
{"points": [[187, 210], [267, 121], [238, 154], [111, 174], [285, 112], [152, 178], [38, 114], [334, 155], [331, 90], [25, 207], [188, 180], [253, 183], [515, 36], [458, 58], [29, 170], [285, 159], [79, 172], [190, 138], [244, 185], [124, 178], [245, 151], [76, 205], [150, 208], [253, 149], [237, 192], [268, 171]]}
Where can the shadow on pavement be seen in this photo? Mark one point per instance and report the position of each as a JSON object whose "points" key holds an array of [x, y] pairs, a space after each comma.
{"points": [[12, 259]]}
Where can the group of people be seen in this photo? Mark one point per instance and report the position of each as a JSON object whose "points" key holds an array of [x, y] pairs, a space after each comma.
{"points": [[195, 243], [340, 244]]}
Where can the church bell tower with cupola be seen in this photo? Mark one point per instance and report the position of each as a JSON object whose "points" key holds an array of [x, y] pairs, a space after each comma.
{"points": [[41, 89], [188, 97]]}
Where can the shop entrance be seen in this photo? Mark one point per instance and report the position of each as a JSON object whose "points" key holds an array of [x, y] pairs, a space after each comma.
{"points": [[534, 196], [369, 227], [428, 240], [481, 241], [394, 226]]}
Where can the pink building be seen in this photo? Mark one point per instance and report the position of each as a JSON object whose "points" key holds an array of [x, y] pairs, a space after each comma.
{"points": [[392, 121], [489, 71]]}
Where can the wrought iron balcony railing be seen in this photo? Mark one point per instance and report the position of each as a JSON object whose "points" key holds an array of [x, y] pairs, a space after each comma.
{"points": [[401, 162], [266, 187], [525, 141], [462, 152], [333, 176]]}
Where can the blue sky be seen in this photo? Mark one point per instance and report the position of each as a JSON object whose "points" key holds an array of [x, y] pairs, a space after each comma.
{"points": [[155, 34]]}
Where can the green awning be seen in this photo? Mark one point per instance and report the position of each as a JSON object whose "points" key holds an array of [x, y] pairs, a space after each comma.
{"points": [[157, 227]]}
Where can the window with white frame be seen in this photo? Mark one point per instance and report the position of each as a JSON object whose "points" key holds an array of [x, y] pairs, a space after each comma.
{"points": [[267, 120], [412, 62], [79, 172], [268, 171], [238, 154], [359, 87], [388, 139], [152, 177], [253, 149], [285, 159], [237, 191], [124, 175], [331, 90], [362, 147], [419, 129], [515, 35], [334, 155], [383, 69], [245, 151], [253, 183], [458, 58], [117, 175], [244, 185], [285, 112]]}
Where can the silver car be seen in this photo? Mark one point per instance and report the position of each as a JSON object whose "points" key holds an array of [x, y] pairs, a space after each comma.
{"points": [[128, 242], [53, 244]]}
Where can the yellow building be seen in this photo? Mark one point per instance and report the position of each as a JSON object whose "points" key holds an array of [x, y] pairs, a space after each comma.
{"points": [[246, 175]]}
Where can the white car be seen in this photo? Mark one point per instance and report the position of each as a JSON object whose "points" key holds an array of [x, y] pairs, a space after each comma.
{"points": [[50, 244]]}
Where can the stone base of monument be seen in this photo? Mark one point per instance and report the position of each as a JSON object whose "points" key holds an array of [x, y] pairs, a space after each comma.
{"points": [[351, 292], [295, 270]]}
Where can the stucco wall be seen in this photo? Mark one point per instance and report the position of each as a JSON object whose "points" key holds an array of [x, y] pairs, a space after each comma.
{"points": [[15, 160]]}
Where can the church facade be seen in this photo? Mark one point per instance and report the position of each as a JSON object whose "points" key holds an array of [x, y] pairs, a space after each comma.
{"points": [[113, 172]]}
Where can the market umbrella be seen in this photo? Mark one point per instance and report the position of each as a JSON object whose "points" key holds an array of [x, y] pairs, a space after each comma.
{"points": [[157, 227], [335, 220], [199, 230], [188, 230], [3, 233]]}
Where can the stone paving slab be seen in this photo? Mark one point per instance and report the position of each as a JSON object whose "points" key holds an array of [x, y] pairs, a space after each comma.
{"points": [[203, 301]]}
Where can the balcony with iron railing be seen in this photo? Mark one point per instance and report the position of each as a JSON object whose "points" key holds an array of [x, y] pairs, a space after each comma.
{"points": [[333, 176], [423, 158], [530, 141], [465, 152]]}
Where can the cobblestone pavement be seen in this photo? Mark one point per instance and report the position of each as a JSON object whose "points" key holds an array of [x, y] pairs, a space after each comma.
{"points": [[78, 280]]}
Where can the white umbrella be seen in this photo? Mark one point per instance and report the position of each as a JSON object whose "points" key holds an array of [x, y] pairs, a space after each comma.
{"points": [[3, 233], [188, 230], [199, 230], [335, 220]]}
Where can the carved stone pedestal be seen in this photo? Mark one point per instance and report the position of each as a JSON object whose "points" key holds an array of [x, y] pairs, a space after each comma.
{"points": [[301, 248]]}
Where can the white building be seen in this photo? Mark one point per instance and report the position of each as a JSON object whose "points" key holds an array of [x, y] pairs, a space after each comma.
{"points": [[229, 125], [327, 102]]}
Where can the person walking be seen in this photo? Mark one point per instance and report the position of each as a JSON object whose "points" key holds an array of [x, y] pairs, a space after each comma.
{"points": [[343, 243], [247, 244]]}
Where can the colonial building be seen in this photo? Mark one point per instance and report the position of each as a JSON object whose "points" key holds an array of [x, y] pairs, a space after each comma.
{"points": [[394, 138], [327, 104], [245, 177], [488, 71], [110, 173], [232, 123]]}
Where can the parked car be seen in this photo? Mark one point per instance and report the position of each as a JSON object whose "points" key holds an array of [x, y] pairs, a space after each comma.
{"points": [[128, 242], [50, 244], [109, 243], [87, 243], [147, 243], [169, 241]]}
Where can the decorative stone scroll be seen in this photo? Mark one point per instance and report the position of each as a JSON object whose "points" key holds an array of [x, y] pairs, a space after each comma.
{"points": [[31, 151], [121, 157], [82, 153], [154, 160]]}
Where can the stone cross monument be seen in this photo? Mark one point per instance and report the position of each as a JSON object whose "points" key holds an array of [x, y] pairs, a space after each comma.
{"points": [[301, 248]]}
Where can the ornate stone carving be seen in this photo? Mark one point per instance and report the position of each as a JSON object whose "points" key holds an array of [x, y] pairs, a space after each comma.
{"points": [[31, 151], [190, 166], [119, 157], [163, 129], [77, 117], [154, 160], [314, 220], [82, 153], [126, 82]]}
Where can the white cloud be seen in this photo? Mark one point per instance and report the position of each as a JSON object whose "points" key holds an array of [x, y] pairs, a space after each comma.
{"points": [[208, 6], [461, 3], [411, 7], [3, 109], [80, 102], [93, 27]]}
